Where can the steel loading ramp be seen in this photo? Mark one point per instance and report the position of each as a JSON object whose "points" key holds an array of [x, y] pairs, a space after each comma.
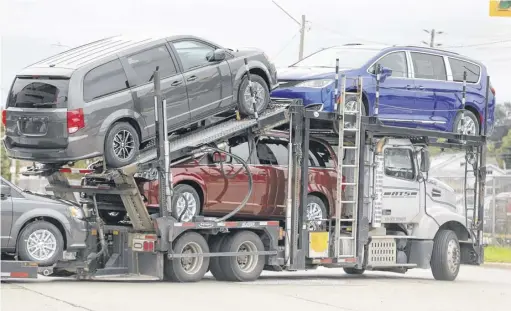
{"points": [[124, 177]]}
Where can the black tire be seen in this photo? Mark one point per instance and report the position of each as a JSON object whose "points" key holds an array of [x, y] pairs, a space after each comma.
{"points": [[214, 263], [354, 271], [244, 106], [348, 99], [174, 269], [111, 158], [440, 257], [180, 191], [230, 266], [470, 115], [23, 242], [113, 218]]}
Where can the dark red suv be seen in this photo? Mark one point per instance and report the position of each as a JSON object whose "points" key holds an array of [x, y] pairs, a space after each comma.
{"points": [[200, 187]]}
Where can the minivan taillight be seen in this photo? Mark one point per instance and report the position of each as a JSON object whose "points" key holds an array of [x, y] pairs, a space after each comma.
{"points": [[75, 120], [492, 89], [4, 117]]}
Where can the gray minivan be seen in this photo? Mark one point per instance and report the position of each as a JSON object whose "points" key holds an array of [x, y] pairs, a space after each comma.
{"points": [[98, 99]]}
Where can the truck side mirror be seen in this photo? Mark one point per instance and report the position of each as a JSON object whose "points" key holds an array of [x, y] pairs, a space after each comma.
{"points": [[424, 165]]}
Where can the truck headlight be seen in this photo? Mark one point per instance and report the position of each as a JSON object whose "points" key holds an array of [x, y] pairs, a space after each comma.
{"points": [[76, 212], [321, 83]]}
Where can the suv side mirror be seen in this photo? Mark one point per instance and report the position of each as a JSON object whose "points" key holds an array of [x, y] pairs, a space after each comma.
{"points": [[424, 165], [217, 55], [385, 73], [5, 191]]}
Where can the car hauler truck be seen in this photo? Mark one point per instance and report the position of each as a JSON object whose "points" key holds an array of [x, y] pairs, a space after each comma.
{"points": [[392, 216]]}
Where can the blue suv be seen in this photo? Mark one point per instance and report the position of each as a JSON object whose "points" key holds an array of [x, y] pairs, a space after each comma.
{"points": [[419, 87]]}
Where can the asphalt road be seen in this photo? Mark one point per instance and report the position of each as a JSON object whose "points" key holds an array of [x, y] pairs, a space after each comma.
{"points": [[476, 288]]}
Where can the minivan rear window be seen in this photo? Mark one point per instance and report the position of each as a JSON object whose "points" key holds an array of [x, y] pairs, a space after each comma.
{"points": [[39, 92]]}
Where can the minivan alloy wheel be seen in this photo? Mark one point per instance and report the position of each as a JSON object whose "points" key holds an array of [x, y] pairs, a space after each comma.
{"points": [[186, 202], [314, 211], [469, 126], [259, 94], [41, 244], [124, 144]]}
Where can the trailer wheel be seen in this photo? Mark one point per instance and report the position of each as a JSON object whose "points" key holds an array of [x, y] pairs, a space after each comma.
{"points": [[354, 271], [242, 268], [40, 242], [445, 260], [191, 269], [214, 262]]}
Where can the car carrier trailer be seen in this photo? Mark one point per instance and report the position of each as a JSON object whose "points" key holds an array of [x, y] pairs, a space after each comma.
{"points": [[363, 234]]}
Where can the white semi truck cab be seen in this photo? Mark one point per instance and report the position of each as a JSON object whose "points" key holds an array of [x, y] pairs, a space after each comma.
{"points": [[410, 211]]}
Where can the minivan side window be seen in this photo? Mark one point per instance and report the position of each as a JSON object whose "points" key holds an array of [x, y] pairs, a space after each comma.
{"points": [[242, 151], [428, 66], [459, 66], [279, 150], [144, 64], [192, 54], [395, 61], [103, 80], [319, 155]]}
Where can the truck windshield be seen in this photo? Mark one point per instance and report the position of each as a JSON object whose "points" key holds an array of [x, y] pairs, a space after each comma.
{"points": [[349, 57], [39, 92]]}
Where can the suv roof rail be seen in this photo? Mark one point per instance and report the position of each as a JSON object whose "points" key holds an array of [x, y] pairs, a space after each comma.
{"points": [[429, 48]]}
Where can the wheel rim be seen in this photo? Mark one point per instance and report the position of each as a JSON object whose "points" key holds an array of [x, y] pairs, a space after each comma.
{"points": [[41, 244], [187, 203], [124, 145], [247, 263], [192, 265], [260, 96], [314, 211], [453, 256], [469, 126], [314, 215]]}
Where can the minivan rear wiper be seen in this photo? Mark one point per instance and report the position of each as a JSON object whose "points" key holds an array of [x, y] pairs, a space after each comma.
{"points": [[43, 104]]}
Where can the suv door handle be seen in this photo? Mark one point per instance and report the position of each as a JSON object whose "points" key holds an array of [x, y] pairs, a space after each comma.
{"points": [[192, 78], [176, 83], [436, 193]]}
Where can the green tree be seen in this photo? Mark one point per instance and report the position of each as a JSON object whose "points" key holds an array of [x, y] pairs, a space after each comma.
{"points": [[6, 162]]}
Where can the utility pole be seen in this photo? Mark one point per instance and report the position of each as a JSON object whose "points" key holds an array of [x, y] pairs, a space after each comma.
{"points": [[302, 29], [432, 34], [302, 39]]}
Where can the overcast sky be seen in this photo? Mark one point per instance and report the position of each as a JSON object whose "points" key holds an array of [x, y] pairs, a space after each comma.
{"points": [[33, 29]]}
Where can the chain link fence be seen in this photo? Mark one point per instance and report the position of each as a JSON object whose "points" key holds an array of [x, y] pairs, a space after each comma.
{"points": [[497, 205]]}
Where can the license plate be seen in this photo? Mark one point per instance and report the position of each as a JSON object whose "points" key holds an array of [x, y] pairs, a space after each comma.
{"points": [[33, 125]]}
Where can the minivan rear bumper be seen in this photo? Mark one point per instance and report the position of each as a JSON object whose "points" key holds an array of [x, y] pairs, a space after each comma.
{"points": [[76, 150]]}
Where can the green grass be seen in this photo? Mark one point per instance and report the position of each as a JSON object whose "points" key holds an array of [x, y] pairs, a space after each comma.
{"points": [[498, 254]]}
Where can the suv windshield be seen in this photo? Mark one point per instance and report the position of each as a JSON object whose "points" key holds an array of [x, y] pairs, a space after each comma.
{"points": [[39, 92], [349, 57]]}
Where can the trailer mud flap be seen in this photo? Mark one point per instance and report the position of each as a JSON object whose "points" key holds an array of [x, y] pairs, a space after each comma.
{"points": [[149, 264]]}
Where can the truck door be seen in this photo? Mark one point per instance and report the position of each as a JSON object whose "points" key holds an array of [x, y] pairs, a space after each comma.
{"points": [[400, 187]]}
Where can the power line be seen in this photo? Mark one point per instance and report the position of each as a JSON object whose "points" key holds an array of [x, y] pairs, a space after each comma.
{"points": [[302, 29], [345, 35], [479, 44], [287, 44]]}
